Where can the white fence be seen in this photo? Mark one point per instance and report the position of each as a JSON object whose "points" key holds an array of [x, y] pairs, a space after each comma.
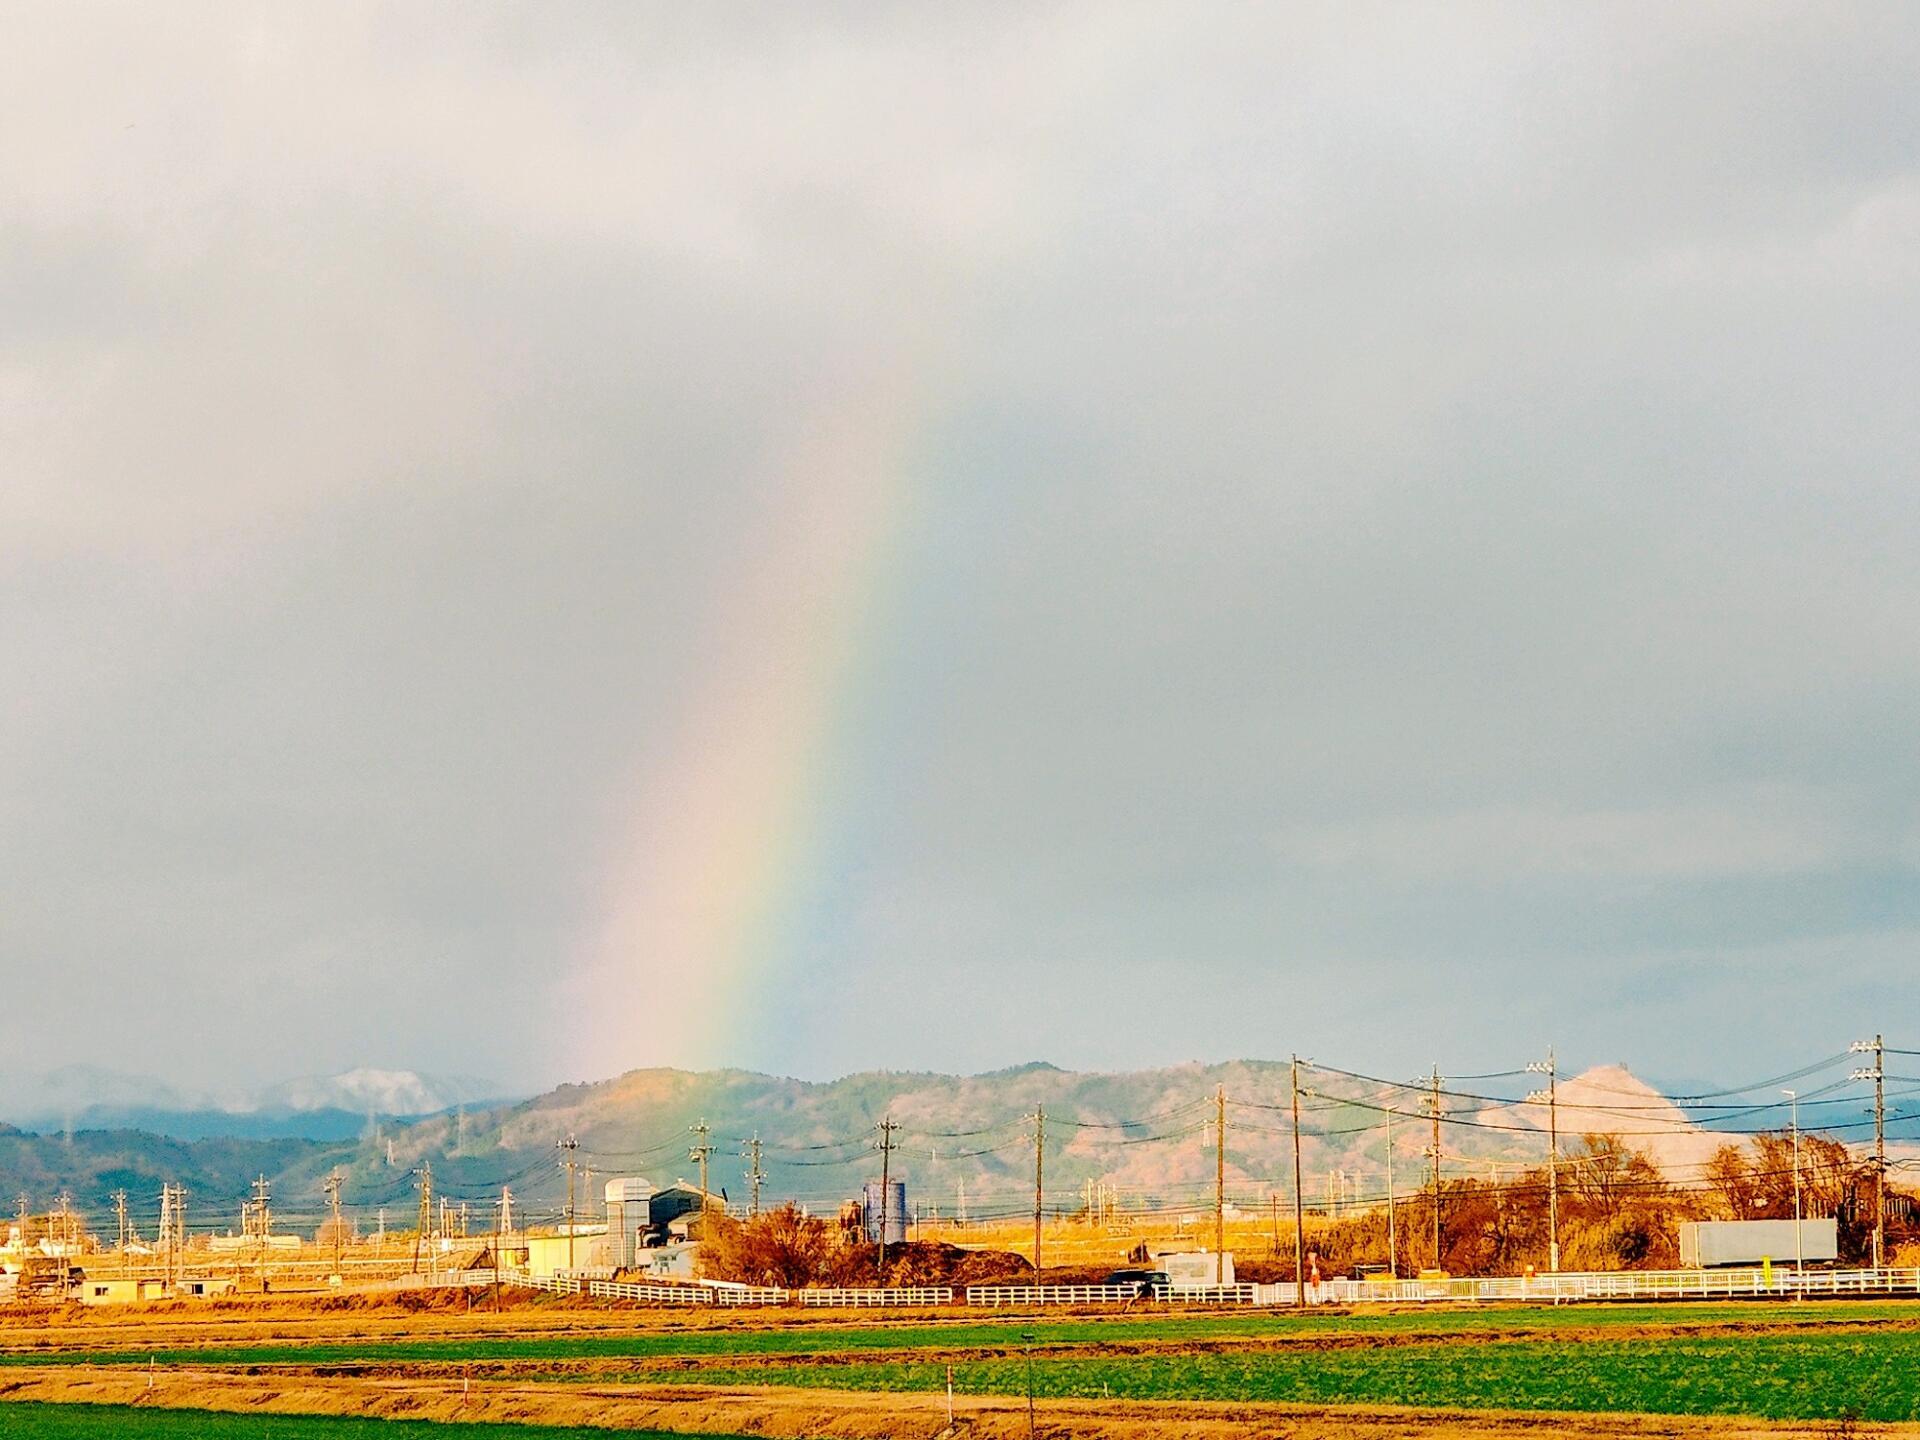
{"points": [[856, 1298], [650, 1293], [996, 1295], [1781, 1283], [1567, 1288]]}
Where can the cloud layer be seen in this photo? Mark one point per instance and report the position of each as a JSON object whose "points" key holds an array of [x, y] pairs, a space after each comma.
{"points": [[1394, 532]]}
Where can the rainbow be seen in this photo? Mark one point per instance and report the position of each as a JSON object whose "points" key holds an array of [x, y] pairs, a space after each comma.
{"points": [[694, 892]]}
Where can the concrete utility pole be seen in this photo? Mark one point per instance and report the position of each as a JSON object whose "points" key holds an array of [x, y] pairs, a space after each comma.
{"points": [[570, 1148], [1220, 1185], [1552, 1096], [263, 1224], [1039, 1180], [1434, 1106], [331, 1185], [1799, 1244], [1299, 1199], [1878, 1074], [700, 1152], [887, 1127], [754, 1174], [120, 1214], [1393, 1238], [425, 1219]]}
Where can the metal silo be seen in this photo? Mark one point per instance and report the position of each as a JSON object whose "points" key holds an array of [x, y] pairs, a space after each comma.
{"points": [[895, 1209]]}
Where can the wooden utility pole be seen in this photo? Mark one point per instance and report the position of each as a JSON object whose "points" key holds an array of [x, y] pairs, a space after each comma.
{"points": [[1039, 1180], [887, 1127], [1299, 1199], [1220, 1185], [570, 1148]]}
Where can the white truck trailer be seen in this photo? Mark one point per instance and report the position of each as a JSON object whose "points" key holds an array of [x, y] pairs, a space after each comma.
{"points": [[1707, 1243]]}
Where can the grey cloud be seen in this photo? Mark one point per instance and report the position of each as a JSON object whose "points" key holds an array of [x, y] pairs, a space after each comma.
{"points": [[1350, 433]]}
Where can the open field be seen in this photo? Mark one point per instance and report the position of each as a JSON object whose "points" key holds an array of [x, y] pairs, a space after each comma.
{"points": [[607, 1333], [1426, 1372], [40, 1421]]}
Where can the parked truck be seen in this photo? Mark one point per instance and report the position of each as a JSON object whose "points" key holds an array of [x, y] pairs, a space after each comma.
{"points": [[1707, 1243]]}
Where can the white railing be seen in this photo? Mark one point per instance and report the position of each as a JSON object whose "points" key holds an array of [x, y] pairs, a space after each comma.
{"points": [[749, 1294], [857, 1298], [1619, 1285], [994, 1295], [1050, 1294], [651, 1294], [1566, 1288]]}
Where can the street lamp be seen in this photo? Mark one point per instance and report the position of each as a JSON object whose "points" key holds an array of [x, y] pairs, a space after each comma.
{"points": [[1799, 1245]]}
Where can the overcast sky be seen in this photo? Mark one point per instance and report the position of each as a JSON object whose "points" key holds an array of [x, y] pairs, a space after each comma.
{"points": [[542, 539]]}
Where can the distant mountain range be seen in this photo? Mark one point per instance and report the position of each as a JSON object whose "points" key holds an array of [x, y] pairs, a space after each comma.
{"points": [[316, 1107], [963, 1142]]}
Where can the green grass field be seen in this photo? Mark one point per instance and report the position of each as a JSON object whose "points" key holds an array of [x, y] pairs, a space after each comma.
{"points": [[948, 1335], [1815, 1377], [112, 1422], [1645, 1359]]}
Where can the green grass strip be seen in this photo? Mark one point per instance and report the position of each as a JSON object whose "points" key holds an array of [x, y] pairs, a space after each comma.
{"points": [[946, 1335], [1814, 1377]]}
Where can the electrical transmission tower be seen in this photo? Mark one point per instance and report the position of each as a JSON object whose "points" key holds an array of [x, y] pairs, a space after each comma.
{"points": [[173, 1231], [755, 1176]]}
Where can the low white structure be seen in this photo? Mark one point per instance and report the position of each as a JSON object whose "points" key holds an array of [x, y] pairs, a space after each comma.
{"points": [[1707, 1243], [1195, 1269]]}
